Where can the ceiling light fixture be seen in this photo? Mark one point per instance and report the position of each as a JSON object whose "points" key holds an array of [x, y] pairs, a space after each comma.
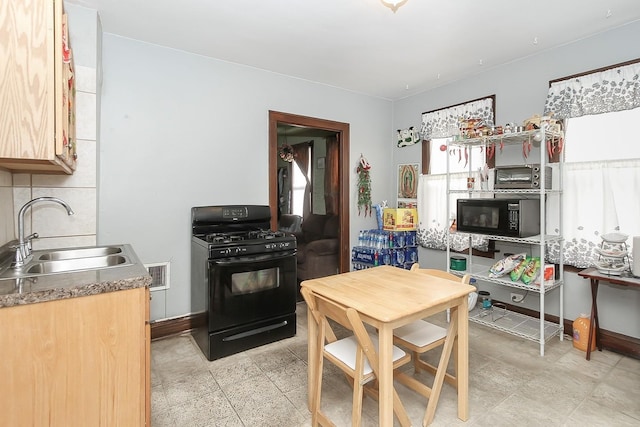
{"points": [[393, 4]]}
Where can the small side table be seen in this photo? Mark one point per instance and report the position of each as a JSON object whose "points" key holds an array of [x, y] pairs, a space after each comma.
{"points": [[595, 277]]}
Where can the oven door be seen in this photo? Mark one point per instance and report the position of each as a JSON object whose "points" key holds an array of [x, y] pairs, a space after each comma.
{"points": [[251, 288]]}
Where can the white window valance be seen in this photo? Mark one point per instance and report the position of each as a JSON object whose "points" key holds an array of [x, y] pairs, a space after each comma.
{"points": [[615, 89], [443, 123]]}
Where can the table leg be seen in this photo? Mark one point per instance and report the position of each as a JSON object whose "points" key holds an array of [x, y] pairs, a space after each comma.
{"points": [[312, 333], [462, 359], [593, 321], [385, 400]]}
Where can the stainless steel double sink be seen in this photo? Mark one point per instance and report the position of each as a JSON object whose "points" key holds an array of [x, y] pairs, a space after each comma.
{"points": [[70, 260]]}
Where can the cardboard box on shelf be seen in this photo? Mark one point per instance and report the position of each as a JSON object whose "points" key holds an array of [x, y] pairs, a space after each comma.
{"points": [[400, 219], [547, 275]]}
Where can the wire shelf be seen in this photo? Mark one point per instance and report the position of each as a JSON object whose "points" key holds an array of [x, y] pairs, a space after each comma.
{"points": [[515, 323]]}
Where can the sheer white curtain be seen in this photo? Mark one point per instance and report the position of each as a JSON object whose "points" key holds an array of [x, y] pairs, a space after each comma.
{"points": [[601, 195], [432, 213]]}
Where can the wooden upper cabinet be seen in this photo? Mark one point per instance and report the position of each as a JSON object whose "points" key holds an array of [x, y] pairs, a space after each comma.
{"points": [[37, 88]]}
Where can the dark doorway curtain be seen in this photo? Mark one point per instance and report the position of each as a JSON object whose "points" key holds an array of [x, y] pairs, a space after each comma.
{"points": [[331, 176], [301, 157]]}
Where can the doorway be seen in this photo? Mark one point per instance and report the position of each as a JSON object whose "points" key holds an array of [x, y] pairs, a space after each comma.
{"points": [[341, 130]]}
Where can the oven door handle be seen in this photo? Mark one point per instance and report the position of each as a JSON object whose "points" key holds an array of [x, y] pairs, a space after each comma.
{"points": [[246, 259]]}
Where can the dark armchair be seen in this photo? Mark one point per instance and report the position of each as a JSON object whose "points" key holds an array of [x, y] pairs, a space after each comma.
{"points": [[318, 246], [290, 223]]}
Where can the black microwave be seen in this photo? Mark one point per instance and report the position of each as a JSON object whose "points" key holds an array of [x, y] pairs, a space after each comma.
{"points": [[499, 217]]}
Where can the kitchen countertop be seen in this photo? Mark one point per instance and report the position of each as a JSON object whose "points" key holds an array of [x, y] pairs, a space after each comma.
{"points": [[52, 287]]}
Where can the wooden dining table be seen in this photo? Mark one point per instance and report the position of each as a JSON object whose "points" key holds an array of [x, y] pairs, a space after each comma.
{"points": [[389, 297]]}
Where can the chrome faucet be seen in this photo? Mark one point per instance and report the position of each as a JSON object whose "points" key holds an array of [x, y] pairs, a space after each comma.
{"points": [[23, 251]]}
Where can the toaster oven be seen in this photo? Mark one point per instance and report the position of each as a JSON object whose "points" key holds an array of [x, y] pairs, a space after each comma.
{"points": [[521, 177]]}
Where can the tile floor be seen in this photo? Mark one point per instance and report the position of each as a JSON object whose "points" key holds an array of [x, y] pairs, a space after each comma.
{"points": [[510, 384]]}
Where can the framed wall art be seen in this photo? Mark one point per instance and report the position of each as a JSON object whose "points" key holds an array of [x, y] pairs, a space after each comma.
{"points": [[408, 175]]}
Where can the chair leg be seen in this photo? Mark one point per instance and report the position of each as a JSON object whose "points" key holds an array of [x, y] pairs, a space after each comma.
{"points": [[416, 362], [453, 379], [442, 368], [317, 376], [398, 409], [356, 412], [315, 406]]}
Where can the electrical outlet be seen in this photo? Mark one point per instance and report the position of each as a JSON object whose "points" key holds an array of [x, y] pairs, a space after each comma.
{"points": [[515, 297]]}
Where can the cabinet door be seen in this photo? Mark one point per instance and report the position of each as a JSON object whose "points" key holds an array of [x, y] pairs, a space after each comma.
{"points": [[76, 362], [31, 85]]}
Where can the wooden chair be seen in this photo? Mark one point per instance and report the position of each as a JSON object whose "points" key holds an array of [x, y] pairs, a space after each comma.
{"points": [[356, 355], [421, 336]]}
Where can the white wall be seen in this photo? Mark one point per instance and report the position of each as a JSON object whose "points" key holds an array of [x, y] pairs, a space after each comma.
{"points": [[180, 130], [520, 89]]}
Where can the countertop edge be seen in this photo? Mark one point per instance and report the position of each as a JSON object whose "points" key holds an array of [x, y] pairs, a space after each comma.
{"points": [[74, 284], [85, 289]]}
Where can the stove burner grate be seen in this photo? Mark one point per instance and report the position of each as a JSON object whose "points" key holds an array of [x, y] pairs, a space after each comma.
{"points": [[224, 238], [265, 234], [218, 238]]}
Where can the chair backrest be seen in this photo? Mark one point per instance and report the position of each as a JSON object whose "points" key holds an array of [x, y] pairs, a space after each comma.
{"points": [[323, 308], [441, 274]]}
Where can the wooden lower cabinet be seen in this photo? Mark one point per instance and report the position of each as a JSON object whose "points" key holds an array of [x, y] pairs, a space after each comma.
{"points": [[76, 362]]}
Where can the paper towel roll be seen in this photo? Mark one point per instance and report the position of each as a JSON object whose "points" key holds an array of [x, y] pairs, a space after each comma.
{"points": [[635, 269]]}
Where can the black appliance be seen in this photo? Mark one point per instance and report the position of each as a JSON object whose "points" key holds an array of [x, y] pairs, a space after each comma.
{"points": [[499, 217], [521, 177], [243, 279]]}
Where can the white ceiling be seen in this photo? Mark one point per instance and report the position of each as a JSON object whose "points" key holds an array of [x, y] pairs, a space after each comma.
{"points": [[360, 45]]}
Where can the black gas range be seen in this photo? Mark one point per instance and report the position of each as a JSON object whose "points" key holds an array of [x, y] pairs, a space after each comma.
{"points": [[243, 279]]}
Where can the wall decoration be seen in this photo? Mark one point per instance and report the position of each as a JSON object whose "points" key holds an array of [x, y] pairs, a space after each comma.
{"points": [[364, 186], [286, 153], [408, 181], [408, 137]]}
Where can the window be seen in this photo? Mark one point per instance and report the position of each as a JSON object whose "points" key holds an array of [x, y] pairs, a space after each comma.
{"points": [[459, 158], [298, 187], [601, 184], [436, 127], [609, 136], [601, 177]]}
